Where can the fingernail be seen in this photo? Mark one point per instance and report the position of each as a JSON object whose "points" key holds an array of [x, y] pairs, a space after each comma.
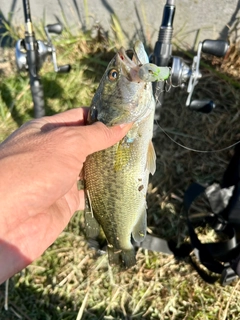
{"points": [[123, 125]]}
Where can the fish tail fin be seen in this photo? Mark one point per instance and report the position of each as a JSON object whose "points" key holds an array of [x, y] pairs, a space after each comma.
{"points": [[113, 256], [126, 258]]}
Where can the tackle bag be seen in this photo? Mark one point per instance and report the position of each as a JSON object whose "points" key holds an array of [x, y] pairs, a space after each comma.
{"points": [[221, 257]]}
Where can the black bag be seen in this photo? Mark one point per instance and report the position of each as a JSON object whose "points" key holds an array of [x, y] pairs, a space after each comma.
{"points": [[221, 257]]}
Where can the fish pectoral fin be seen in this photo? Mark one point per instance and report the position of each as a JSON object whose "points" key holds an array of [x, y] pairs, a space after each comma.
{"points": [[122, 155], [140, 229], [91, 224], [126, 258], [151, 159]]}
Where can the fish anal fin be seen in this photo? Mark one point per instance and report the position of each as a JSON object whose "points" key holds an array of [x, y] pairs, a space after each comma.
{"points": [[139, 230], [151, 158], [91, 225]]}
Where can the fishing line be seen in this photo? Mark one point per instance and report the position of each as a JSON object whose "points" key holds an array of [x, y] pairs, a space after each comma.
{"points": [[195, 150], [167, 87], [159, 91]]}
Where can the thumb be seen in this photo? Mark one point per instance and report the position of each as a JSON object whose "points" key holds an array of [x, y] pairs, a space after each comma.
{"points": [[100, 137]]}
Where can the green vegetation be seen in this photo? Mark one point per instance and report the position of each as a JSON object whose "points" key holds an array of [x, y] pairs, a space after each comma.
{"points": [[71, 281]]}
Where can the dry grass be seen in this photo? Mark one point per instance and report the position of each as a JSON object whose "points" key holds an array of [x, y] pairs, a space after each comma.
{"points": [[70, 281]]}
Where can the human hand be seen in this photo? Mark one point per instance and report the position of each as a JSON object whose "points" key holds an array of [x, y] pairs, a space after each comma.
{"points": [[39, 168]]}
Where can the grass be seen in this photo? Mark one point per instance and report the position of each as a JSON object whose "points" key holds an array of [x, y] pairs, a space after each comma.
{"points": [[71, 281]]}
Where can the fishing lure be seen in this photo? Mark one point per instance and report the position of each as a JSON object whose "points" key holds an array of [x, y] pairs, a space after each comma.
{"points": [[149, 72]]}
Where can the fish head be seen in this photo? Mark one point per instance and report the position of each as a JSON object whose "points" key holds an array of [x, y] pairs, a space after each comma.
{"points": [[122, 96]]}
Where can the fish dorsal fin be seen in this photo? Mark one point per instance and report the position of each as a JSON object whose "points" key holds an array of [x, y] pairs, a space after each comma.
{"points": [[151, 158]]}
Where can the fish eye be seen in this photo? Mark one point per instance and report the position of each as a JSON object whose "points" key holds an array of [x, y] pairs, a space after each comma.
{"points": [[112, 74]]}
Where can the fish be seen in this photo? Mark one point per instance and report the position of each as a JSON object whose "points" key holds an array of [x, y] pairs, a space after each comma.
{"points": [[116, 179]]}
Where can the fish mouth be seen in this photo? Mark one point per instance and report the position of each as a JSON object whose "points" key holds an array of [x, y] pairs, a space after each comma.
{"points": [[130, 57], [130, 64]]}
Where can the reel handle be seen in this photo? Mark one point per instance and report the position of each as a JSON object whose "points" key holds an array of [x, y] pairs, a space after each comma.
{"points": [[204, 106], [216, 48], [64, 69], [56, 28]]}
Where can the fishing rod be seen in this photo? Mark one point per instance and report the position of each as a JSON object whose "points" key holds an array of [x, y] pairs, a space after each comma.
{"points": [[31, 54], [163, 49]]}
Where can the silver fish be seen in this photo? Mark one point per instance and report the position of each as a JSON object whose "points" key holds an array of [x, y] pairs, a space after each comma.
{"points": [[116, 179]]}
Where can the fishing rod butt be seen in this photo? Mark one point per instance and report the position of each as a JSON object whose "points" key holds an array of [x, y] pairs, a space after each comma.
{"points": [[38, 99]]}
